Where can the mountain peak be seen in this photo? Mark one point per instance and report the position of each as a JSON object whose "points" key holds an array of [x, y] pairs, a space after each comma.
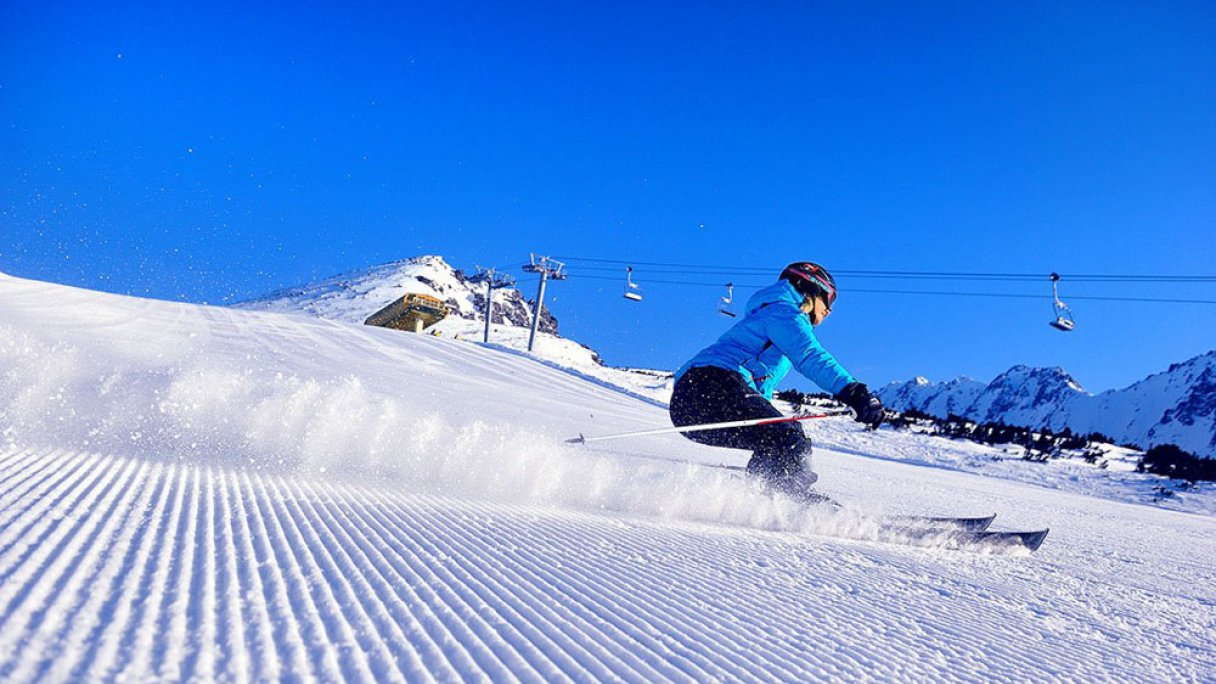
{"points": [[1176, 406], [353, 296], [1047, 376]]}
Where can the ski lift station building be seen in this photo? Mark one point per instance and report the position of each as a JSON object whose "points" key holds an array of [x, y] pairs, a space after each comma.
{"points": [[413, 313]]}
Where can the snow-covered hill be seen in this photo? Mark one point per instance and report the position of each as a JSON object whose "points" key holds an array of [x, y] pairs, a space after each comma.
{"points": [[352, 297], [201, 493], [1177, 406]]}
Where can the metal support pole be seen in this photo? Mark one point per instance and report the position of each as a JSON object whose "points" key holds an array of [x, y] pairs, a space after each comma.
{"points": [[489, 304], [540, 300], [547, 268], [487, 276]]}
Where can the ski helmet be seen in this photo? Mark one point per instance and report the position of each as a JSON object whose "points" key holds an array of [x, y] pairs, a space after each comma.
{"points": [[811, 280]]}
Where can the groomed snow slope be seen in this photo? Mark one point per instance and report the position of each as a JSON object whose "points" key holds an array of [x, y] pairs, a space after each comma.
{"points": [[189, 492]]}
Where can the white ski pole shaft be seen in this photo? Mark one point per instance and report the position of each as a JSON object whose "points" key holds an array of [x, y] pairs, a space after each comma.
{"points": [[707, 426]]}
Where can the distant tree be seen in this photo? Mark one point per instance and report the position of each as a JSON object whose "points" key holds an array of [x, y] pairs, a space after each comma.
{"points": [[792, 396], [1073, 442], [1045, 442], [1094, 455], [1171, 461], [1001, 433], [900, 420], [955, 418], [1038, 445], [1035, 456]]}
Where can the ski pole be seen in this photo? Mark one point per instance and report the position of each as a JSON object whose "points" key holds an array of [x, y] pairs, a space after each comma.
{"points": [[707, 426]]}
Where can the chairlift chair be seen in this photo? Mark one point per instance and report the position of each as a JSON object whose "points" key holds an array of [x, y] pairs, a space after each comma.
{"points": [[724, 306], [1064, 321], [632, 289]]}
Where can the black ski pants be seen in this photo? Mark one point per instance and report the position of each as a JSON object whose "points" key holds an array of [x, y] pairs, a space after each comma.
{"points": [[708, 394]]}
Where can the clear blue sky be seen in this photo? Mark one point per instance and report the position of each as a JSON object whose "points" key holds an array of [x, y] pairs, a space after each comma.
{"points": [[210, 151]]}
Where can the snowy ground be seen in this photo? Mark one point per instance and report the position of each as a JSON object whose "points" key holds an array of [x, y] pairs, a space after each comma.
{"points": [[191, 492]]}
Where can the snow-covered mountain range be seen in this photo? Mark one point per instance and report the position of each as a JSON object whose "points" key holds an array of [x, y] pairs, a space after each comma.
{"points": [[1177, 406]]}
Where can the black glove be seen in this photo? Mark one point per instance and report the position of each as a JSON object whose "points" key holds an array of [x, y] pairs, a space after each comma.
{"points": [[868, 407]]}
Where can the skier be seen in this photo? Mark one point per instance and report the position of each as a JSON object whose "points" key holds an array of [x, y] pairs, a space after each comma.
{"points": [[734, 378]]}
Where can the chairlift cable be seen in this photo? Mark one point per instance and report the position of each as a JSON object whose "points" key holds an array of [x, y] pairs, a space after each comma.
{"points": [[1005, 295], [712, 269], [893, 276]]}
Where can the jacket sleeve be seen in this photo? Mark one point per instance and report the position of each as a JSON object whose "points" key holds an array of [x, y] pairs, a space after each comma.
{"points": [[792, 333]]}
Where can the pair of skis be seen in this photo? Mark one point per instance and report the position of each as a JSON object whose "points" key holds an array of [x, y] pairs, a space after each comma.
{"points": [[947, 530], [964, 531], [960, 532]]}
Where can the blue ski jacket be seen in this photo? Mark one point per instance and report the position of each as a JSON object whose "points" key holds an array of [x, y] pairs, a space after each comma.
{"points": [[774, 336]]}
